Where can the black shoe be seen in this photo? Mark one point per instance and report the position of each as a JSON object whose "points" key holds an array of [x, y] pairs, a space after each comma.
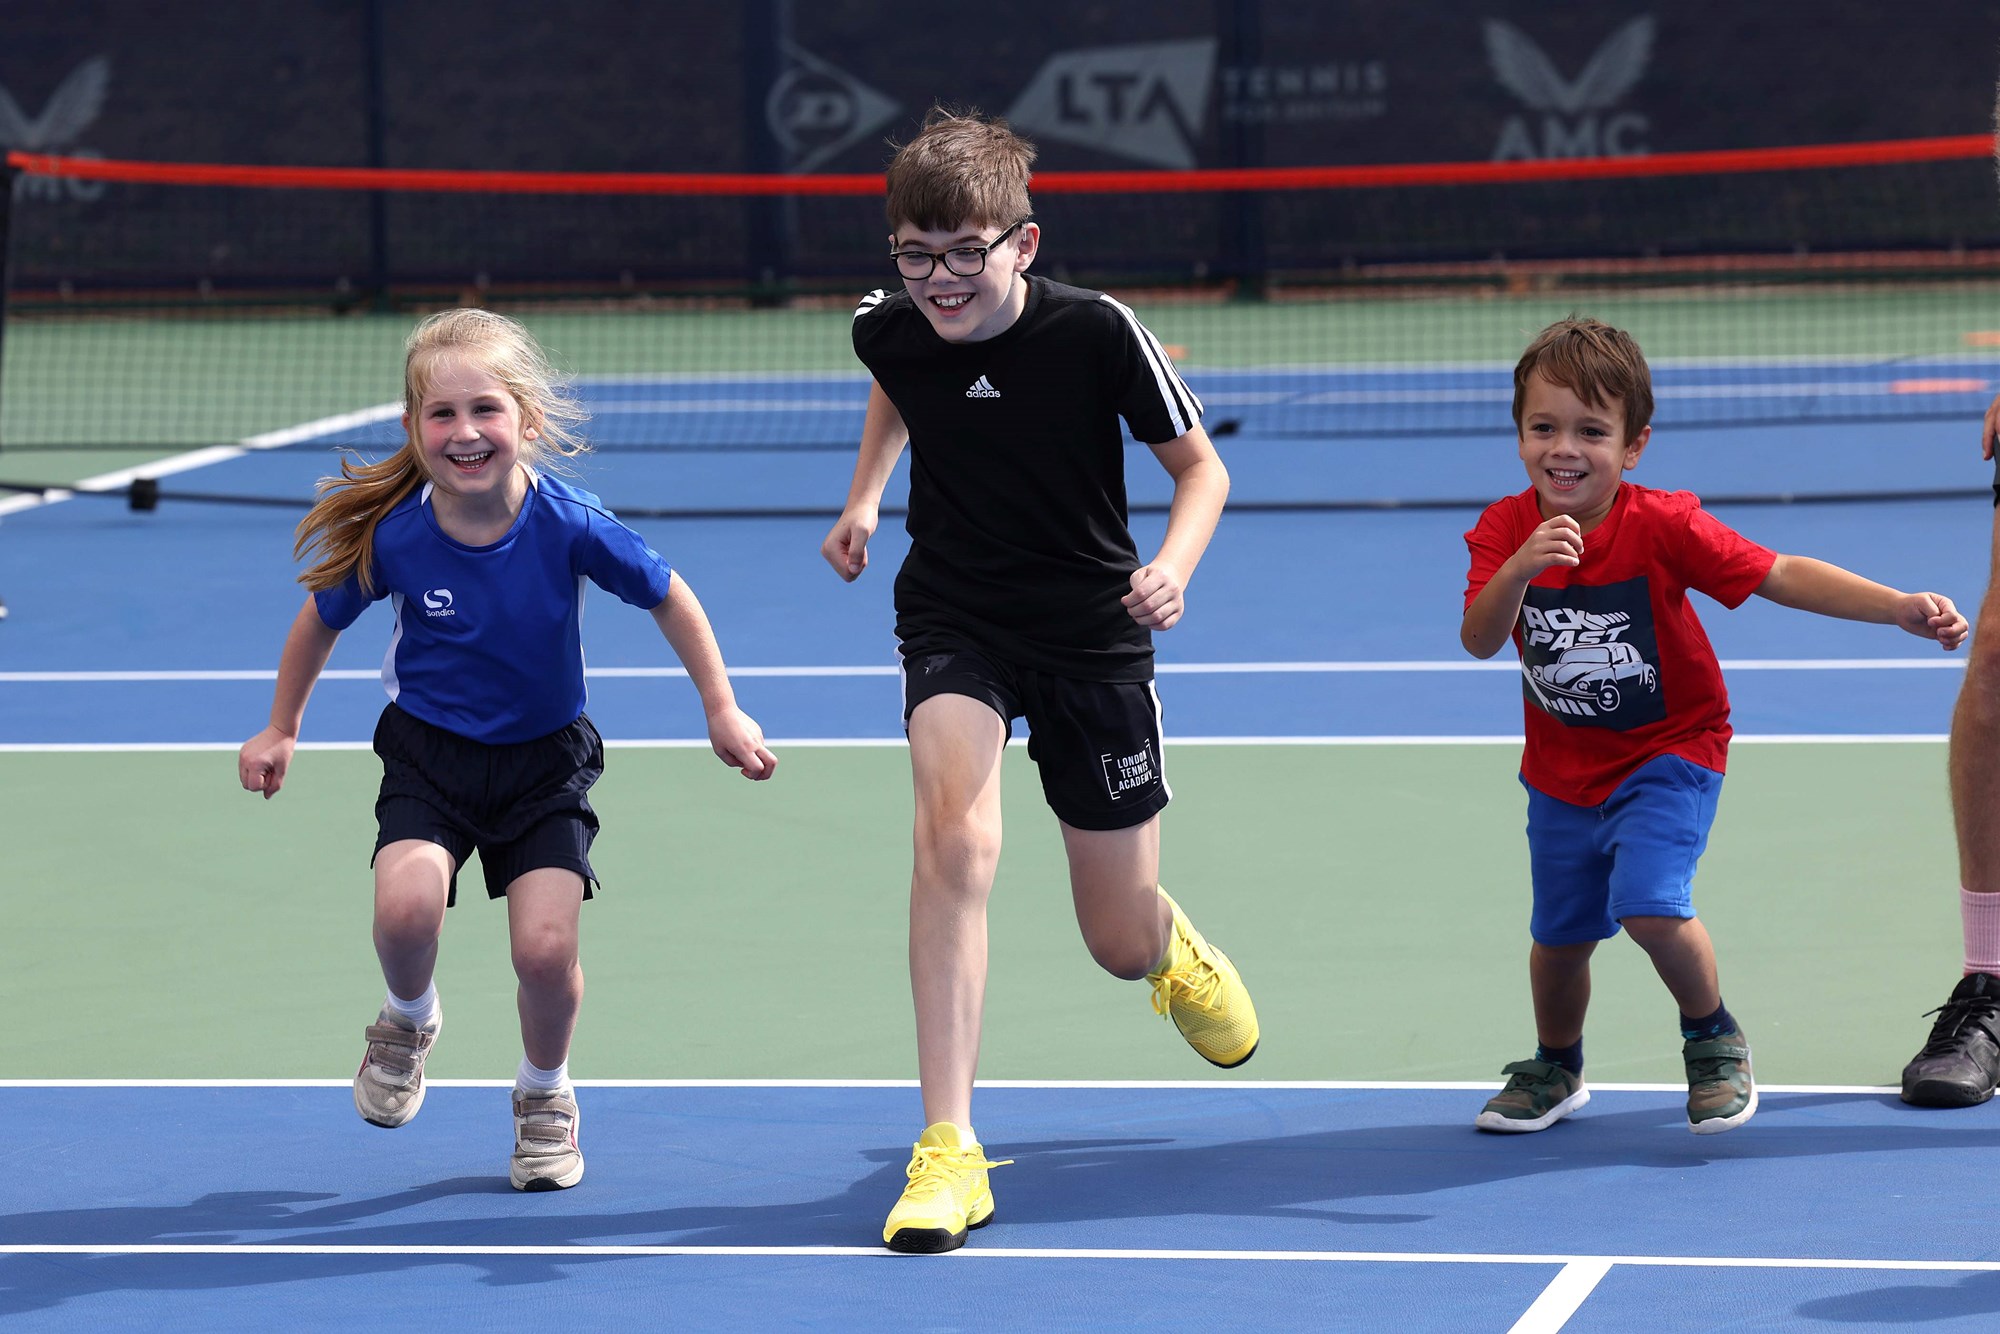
{"points": [[1960, 1065]]}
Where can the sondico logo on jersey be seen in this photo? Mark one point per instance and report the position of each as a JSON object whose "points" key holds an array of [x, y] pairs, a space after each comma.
{"points": [[1577, 117], [817, 111], [1589, 655], [71, 109], [1129, 773], [1147, 102], [437, 602]]}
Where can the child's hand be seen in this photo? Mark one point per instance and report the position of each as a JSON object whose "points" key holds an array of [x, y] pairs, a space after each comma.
{"points": [[1158, 596], [1559, 541], [261, 764], [846, 547], [739, 743], [1932, 616]]}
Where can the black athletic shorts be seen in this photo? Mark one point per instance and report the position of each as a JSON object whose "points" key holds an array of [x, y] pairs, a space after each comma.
{"points": [[523, 806], [1096, 743]]}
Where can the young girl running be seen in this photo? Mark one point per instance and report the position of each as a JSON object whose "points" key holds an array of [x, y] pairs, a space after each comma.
{"points": [[484, 743]]}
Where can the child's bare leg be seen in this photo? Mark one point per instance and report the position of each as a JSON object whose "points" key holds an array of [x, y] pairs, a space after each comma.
{"points": [[1114, 883], [412, 886], [955, 747], [1683, 957], [542, 910], [1559, 978]]}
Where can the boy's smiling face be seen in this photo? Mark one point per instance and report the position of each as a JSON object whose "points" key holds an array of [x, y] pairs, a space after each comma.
{"points": [[970, 309], [1575, 452]]}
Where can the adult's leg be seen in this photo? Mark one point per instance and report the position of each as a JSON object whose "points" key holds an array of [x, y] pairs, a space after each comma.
{"points": [[1975, 748], [1959, 1064]]}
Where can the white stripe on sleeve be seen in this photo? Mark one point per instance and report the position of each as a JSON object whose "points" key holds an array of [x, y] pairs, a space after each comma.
{"points": [[1183, 408]]}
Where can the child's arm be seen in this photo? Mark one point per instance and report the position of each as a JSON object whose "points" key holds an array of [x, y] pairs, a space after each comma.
{"points": [[1489, 621], [1814, 585], [732, 733], [1991, 437], [1201, 484], [262, 762], [883, 436]]}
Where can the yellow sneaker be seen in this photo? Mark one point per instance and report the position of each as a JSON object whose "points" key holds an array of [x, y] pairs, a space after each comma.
{"points": [[1203, 993], [947, 1194]]}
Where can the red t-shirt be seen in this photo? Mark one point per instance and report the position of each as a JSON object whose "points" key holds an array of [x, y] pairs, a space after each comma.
{"points": [[1615, 668]]}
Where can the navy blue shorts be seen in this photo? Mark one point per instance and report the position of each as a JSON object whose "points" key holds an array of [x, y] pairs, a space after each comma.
{"points": [[1096, 744], [1634, 856], [523, 807]]}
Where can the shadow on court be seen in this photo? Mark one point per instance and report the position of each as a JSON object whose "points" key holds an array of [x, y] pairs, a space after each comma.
{"points": [[1947, 1297], [1815, 1175]]}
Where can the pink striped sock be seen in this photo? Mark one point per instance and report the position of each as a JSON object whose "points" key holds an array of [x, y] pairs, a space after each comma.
{"points": [[1980, 914]]}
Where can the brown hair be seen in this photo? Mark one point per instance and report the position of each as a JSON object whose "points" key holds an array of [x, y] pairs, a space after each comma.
{"points": [[1599, 364], [961, 168], [338, 532]]}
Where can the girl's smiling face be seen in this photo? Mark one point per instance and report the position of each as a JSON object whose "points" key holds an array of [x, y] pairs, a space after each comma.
{"points": [[468, 431]]}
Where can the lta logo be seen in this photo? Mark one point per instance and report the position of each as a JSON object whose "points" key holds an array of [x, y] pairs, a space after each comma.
{"points": [[1146, 102], [1577, 118]]}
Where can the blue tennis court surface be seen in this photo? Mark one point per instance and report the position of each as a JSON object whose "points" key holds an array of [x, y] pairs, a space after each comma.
{"points": [[1223, 1205], [1236, 1206]]}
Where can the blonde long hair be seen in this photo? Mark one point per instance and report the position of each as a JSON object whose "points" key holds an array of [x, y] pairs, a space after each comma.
{"points": [[338, 532]]}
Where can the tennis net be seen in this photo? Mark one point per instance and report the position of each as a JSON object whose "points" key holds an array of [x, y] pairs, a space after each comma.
{"points": [[157, 307]]}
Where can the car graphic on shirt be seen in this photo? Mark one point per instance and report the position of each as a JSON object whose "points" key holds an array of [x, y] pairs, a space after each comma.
{"points": [[1592, 673]]}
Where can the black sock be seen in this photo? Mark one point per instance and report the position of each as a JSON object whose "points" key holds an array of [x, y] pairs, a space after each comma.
{"points": [[1569, 1058], [1711, 1026]]}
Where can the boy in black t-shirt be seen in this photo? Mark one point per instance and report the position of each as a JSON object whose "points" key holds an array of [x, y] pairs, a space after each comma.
{"points": [[1023, 595]]}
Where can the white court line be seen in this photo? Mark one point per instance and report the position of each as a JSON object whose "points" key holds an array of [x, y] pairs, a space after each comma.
{"points": [[1329, 668], [202, 458], [1016, 1253], [878, 742], [1558, 1302], [1248, 1085], [1406, 396]]}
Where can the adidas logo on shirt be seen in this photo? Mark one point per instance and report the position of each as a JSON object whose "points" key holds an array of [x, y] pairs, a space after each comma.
{"points": [[982, 388]]}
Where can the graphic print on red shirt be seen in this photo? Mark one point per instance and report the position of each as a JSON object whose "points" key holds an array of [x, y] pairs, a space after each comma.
{"points": [[1589, 655], [1616, 668]]}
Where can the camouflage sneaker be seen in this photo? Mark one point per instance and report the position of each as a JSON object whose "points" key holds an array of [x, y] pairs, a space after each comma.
{"points": [[1721, 1093], [1960, 1064], [389, 1086], [546, 1154], [1537, 1095]]}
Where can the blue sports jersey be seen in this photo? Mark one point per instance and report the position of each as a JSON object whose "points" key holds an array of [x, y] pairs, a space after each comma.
{"points": [[488, 640]]}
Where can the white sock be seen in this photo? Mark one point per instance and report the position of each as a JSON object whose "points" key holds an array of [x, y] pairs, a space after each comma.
{"points": [[534, 1078], [1979, 914], [419, 1011]]}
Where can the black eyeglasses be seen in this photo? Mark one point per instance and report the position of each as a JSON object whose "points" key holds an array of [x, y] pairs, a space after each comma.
{"points": [[967, 261]]}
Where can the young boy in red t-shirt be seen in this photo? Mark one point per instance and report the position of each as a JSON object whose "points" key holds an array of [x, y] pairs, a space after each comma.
{"points": [[1627, 718]]}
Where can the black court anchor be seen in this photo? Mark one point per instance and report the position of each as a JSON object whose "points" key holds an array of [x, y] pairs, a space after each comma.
{"points": [[144, 494]]}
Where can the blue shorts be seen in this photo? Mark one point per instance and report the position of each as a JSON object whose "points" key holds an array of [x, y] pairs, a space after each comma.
{"points": [[1633, 856]]}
